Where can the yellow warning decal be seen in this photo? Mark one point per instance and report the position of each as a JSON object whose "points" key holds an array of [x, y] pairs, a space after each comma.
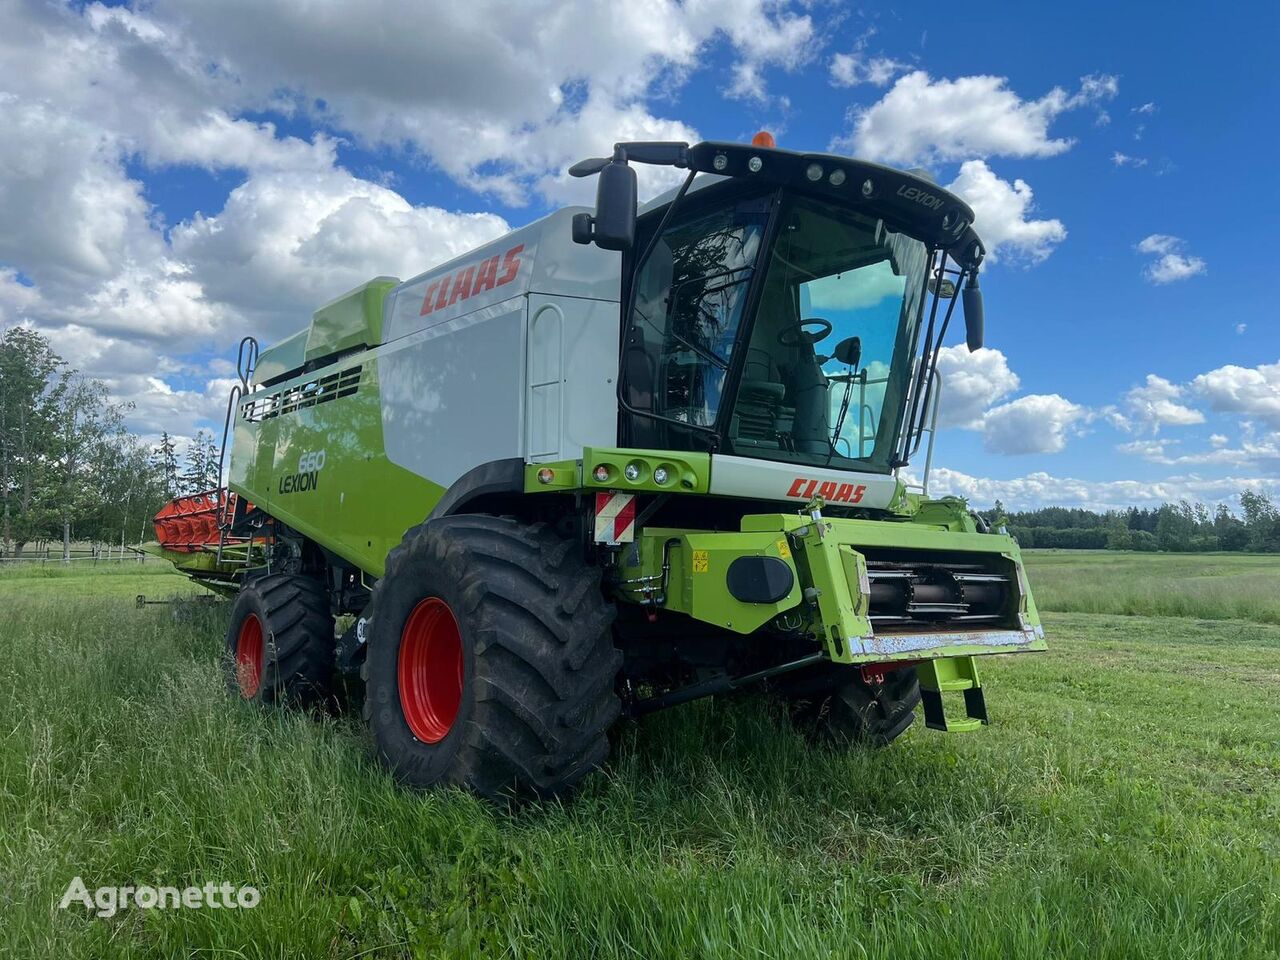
{"points": [[701, 561], [784, 550]]}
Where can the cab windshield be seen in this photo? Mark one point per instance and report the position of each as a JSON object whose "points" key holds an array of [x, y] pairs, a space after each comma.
{"points": [[822, 363]]}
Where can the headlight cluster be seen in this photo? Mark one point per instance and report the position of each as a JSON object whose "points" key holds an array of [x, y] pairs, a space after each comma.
{"points": [[638, 472]]}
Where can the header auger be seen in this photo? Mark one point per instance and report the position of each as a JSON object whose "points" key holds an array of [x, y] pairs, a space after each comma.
{"points": [[546, 484]]}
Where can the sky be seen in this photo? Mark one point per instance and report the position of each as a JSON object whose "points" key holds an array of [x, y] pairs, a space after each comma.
{"points": [[177, 174]]}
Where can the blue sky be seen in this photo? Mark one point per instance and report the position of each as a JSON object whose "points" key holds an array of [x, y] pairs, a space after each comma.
{"points": [[177, 174]]}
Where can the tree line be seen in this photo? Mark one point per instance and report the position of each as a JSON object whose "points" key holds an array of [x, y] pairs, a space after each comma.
{"points": [[1183, 527], [69, 468]]}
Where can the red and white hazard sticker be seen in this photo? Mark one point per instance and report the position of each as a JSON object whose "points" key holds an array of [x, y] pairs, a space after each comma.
{"points": [[615, 517]]}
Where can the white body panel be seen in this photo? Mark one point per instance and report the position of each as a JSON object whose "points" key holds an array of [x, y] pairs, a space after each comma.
{"points": [[572, 397], [509, 351], [539, 258], [798, 483], [453, 394]]}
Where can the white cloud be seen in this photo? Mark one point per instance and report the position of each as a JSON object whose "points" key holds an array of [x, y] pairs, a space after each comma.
{"points": [[285, 243], [1124, 160], [1042, 489], [1156, 404], [1170, 263], [1147, 108], [1173, 266], [1001, 210], [1154, 450], [1260, 455], [82, 218], [971, 383], [474, 86], [1037, 423], [857, 67], [922, 120], [1241, 327], [501, 98], [1251, 391], [852, 69], [1159, 243]]}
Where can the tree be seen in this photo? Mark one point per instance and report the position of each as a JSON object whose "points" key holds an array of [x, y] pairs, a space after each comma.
{"points": [[29, 394], [1119, 536], [999, 518], [89, 431], [202, 464], [1262, 522], [1232, 534], [1175, 526], [164, 463]]}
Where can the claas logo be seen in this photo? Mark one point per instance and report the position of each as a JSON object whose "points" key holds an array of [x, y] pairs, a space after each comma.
{"points": [[466, 282], [829, 491]]}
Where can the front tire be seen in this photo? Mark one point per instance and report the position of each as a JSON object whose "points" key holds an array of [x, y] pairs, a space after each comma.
{"points": [[280, 643], [491, 665], [855, 711]]}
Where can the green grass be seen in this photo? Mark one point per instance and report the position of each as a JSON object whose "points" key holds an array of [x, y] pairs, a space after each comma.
{"points": [[82, 580], [1218, 586], [1124, 803]]}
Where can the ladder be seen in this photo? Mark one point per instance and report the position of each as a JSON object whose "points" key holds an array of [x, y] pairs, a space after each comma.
{"points": [[235, 549]]}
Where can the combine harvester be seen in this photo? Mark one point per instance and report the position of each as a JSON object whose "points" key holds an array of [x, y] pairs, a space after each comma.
{"points": [[615, 461]]}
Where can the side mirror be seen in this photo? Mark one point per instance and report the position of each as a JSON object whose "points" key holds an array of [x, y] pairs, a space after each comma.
{"points": [[614, 225], [944, 290], [849, 351], [974, 322]]}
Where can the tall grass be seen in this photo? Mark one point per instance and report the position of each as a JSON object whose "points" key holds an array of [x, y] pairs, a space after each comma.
{"points": [[1123, 804], [1208, 586]]}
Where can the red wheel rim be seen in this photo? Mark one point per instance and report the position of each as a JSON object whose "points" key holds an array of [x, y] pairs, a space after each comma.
{"points": [[249, 656], [430, 670]]}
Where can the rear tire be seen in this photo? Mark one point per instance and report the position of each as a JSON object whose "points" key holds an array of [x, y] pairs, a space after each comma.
{"points": [[491, 663], [874, 714], [280, 643]]}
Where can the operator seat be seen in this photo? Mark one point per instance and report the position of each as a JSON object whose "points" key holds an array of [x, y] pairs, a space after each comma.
{"points": [[761, 418]]}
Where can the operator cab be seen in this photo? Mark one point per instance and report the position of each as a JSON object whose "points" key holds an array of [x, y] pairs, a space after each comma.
{"points": [[778, 310], [822, 365]]}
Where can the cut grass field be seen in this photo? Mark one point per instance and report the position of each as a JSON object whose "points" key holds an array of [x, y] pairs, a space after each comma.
{"points": [[1124, 803]]}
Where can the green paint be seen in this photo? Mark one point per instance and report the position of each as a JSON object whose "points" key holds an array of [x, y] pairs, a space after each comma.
{"points": [[950, 675], [334, 508], [350, 321], [831, 597], [566, 475], [696, 584], [686, 472], [285, 357]]}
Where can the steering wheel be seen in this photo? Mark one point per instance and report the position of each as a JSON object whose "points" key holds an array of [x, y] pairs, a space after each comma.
{"points": [[796, 334]]}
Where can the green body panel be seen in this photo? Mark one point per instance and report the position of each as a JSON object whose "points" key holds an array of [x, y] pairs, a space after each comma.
{"points": [[197, 562], [352, 499], [564, 476], [686, 472], [285, 357], [352, 320], [831, 595], [696, 584]]}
